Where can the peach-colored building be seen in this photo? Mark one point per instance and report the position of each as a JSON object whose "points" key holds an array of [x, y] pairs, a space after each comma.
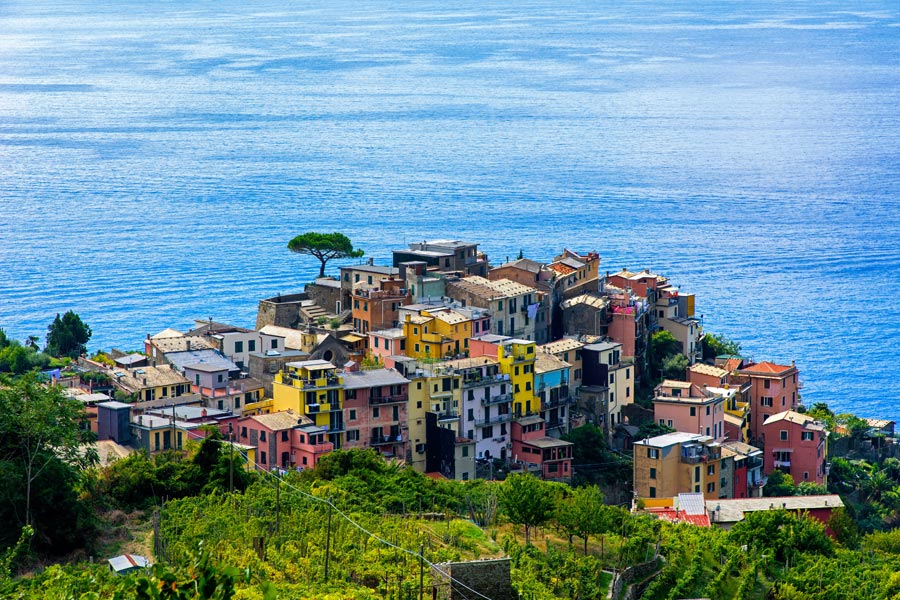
{"points": [[387, 342], [689, 408], [797, 445], [773, 389], [378, 308]]}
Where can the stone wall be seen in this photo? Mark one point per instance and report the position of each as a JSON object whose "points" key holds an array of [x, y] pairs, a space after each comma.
{"points": [[488, 577], [282, 311], [637, 573]]}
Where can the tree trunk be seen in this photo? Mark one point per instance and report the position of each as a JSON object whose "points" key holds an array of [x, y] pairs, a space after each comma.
{"points": [[322, 268], [526, 534], [585, 544]]}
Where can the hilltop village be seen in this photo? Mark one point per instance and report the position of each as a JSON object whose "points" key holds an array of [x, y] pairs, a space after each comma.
{"points": [[465, 370]]}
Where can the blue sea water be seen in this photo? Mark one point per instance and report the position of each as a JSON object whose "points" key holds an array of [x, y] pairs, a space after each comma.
{"points": [[156, 157]]}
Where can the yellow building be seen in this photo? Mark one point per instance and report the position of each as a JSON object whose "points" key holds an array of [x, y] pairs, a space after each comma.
{"points": [[435, 389], [315, 389], [437, 333], [517, 359]]}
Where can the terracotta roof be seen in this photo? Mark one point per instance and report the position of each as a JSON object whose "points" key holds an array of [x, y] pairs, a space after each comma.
{"points": [[766, 368], [561, 268], [732, 364], [674, 515]]}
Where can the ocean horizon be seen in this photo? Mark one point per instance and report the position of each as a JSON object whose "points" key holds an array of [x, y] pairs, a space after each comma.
{"points": [[155, 159]]}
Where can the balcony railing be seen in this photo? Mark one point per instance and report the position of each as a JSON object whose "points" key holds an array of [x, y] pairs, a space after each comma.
{"points": [[398, 399], [758, 483], [493, 420], [380, 294], [498, 399], [782, 463], [481, 381], [383, 440], [558, 402], [448, 416]]}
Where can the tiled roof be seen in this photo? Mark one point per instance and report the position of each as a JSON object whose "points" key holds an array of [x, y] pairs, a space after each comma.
{"points": [[704, 369], [589, 299], [293, 338], [281, 420], [544, 363], [134, 379], [561, 268], [733, 510], [563, 345], [373, 378], [794, 417], [181, 344], [198, 356], [766, 368]]}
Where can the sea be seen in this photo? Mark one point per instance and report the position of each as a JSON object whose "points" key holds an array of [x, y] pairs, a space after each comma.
{"points": [[156, 157]]}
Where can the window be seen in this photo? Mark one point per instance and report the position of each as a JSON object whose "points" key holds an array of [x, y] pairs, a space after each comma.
{"points": [[487, 432], [707, 411], [653, 453], [303, 439], [465, 476], [238, 347], [669, 423], [783, 435], [711, 487], [305, 460], [806, 436], [653, 492], [652, 472], [352, 415], [262, 458], [628, 392], [470, 416], [197, 379], [274, 344], [527, 385], [251, 345], [765, 401], [710, 469], [465, 451], [237, 401], [693, 411], [767, 384], [376, 412], [220, 378], [612, 377], [284, 435], [243, 432], [353, 435], [805, 475]]}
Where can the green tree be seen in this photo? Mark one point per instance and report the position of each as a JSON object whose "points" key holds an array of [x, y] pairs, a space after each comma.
{"points": [[675, 367], [527, 501], [582, 513], [779, 484], [594, 459], [67, 336], [651, 429], [718, 345], [41, 459], [324, 246], [662, 345], [783, 533]]}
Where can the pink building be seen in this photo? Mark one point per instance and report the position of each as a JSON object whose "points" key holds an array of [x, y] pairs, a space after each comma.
{"points": [[375, 411], [796, 444], [689, 408], [387, 342], [283, 439], [773, 389], [550, 457]]}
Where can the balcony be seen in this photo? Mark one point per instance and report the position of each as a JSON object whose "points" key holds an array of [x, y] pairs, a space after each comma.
{"points": [[693, 459], [312, 384], [498, 399], [758, 482], [384, 440], [558, 402], [380, 294], [782, 464], [398, 399], [482, 381], [448, 416], [493, 420]]}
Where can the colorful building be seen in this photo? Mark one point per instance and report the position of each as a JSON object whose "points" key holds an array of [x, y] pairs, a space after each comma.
{"points": [[548, 457], [313, 388], [670, 464], [686, 407], [797, 445], [773, 389], [376, 411]]}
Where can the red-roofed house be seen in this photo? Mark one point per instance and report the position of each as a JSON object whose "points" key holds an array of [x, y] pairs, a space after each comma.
{"points": [[773, 389]]}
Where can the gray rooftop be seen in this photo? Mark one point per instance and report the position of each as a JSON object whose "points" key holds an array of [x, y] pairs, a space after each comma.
{"points": [[374, 378], [670, 439], [196, 357]]}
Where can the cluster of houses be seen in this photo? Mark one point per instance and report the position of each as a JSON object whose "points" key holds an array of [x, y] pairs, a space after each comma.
{"points": [[457, 367]]}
